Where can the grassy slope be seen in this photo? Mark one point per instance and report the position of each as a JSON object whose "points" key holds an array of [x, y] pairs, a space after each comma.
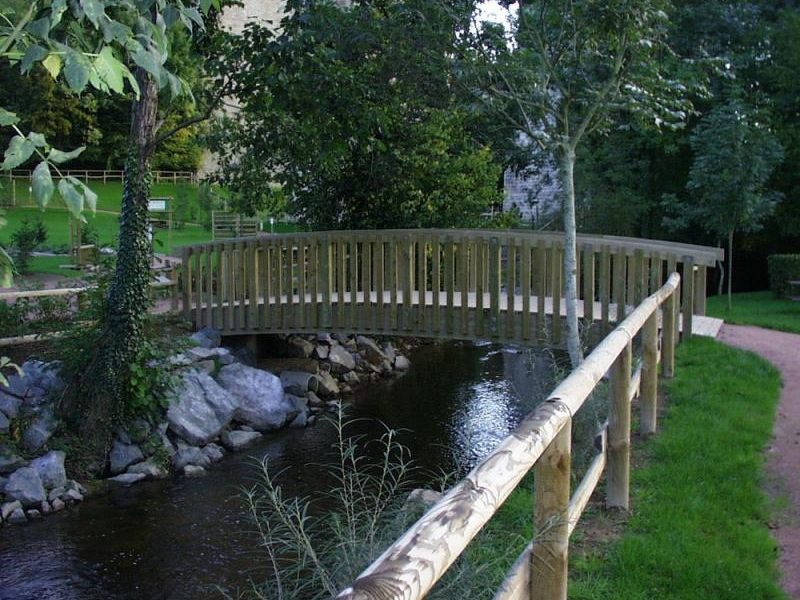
{"points": [[698, 528], [757, 308]]}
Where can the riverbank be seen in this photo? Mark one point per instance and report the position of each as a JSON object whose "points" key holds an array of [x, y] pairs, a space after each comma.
{"points": [[222, 399]]}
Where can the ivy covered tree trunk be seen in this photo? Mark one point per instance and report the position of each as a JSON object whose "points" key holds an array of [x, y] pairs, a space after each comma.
{"points": [[570, 257], [128, 300]]}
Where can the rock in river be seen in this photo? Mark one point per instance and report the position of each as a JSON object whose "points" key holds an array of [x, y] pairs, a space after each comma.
{"points": [[123, 455], [258, 396], [51, 469], [26, 486], [202, 409]]}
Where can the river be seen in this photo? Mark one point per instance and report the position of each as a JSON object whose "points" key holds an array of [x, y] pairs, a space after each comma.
{"points": [[180, 539]]}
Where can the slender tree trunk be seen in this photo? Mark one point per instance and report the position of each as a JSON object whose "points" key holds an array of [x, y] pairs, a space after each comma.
{"points": [[730, 266], [108, 378], [570, 257]]}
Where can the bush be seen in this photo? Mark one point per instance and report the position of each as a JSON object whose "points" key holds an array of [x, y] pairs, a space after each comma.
{"points": [[783, 268], [25, 239]]}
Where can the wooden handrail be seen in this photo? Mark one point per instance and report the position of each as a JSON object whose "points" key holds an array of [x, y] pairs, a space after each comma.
{"points": [[505, 286], [416, 561]]}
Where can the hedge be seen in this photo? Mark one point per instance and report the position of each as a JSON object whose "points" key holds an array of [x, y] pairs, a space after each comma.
{"points": [[783, 268]]}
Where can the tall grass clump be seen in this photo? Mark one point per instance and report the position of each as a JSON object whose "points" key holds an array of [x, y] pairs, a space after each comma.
{"points": [[315, 547]]}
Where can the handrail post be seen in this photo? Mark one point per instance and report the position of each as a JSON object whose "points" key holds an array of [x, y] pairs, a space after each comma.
{"points": [[326, 275], [549, 559], [668, 331], [649, 384], [700, 290], [619, 432]]}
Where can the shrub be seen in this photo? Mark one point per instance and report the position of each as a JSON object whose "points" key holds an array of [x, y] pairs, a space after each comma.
{"points": [[783, 268], [25, 239]]}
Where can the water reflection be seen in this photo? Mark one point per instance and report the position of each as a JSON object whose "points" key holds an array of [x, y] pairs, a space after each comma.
{"points": [[179, 539]]}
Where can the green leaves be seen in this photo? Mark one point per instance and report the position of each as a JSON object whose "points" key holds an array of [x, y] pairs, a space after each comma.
{"points": [[58, 157], [109, 71], [19, 150], [94, 11], [53, 64], [77, 70], [7, 118], [75, 194], [42, 184], [73, 199]]}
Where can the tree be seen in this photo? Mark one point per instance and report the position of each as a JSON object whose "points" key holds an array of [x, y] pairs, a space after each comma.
{"points": [[90, 43], [353, 112], [569, 69], [735, 154]]}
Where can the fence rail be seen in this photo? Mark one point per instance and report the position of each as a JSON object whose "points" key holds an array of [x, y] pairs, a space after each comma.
{"points": [[14, 196], [410, 568], [505, 286]]}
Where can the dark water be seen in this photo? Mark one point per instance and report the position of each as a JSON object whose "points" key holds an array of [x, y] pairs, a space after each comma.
{"points": [[179, 539]]}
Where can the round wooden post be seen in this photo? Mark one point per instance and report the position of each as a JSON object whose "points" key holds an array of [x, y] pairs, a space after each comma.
{"points": [[549, 560], [668, 331], [619, 432], [649, 384]]}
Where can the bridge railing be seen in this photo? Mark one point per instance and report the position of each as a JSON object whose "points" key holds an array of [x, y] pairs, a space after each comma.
{"points": [[410, 568], [470, 284]]}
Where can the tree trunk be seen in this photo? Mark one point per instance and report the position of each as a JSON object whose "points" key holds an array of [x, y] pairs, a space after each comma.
{"points": [[108, 378], [730, 266], [570, 257]]}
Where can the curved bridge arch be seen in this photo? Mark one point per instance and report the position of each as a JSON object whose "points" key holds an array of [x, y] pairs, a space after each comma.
{"points": [[499, 285]]}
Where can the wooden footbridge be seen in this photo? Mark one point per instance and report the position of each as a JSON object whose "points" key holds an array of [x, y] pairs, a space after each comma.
{"points": [[496, 285], [504, 286]]}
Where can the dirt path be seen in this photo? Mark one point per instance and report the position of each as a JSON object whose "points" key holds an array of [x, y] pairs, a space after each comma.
{"points": [[783, 454]]}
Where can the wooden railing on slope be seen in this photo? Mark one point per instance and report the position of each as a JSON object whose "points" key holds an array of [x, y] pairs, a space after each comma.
{"points": [[410, 568], [458, 284]]}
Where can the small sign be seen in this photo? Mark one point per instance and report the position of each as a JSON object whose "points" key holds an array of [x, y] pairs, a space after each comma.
{"points": [[157, 205]]}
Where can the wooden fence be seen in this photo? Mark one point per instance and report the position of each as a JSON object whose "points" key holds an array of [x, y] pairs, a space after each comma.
{"points": [[15, 193], [227, 225], [457, 284], [410, 568]]}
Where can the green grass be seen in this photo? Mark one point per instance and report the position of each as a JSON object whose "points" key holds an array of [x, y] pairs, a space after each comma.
{"points": [[698, 526], [109, 195], [757, 308]]}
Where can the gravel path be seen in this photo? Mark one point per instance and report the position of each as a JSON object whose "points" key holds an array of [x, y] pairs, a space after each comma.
{"points": [[783, 454]]}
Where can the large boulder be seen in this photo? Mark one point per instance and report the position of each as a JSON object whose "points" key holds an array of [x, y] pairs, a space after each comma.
{"points": [[123, 455], [51, 469], [327, 386], [207, 337], [201, 410], [26, 486], [36, 383], [258, 395], [40, 428], [370, 349], [9, 460], [297, 347], [9, 404], [341, 360]]}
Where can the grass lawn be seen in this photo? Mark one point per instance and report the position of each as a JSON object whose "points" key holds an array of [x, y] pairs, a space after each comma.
{"points": [[757, 308], [698, 527], [109, 195]]}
